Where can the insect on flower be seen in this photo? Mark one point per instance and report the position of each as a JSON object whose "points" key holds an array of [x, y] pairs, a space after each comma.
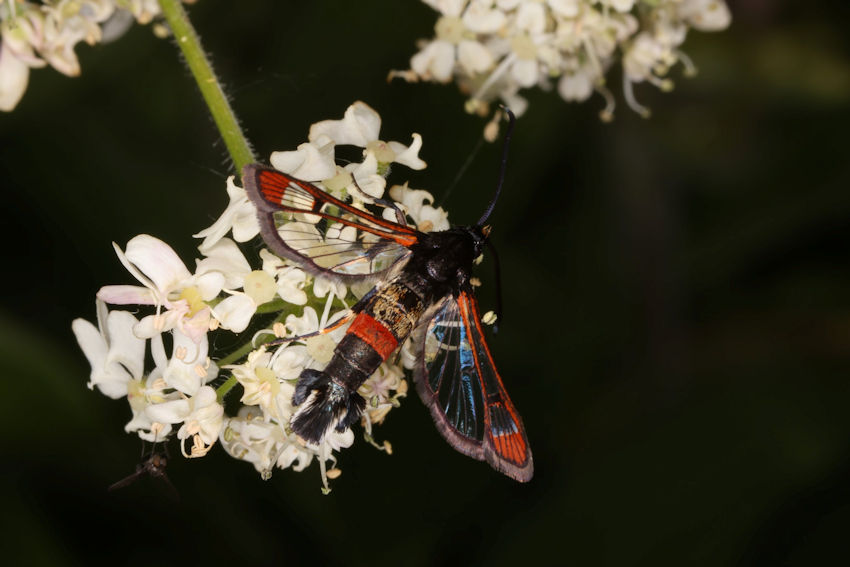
{"points": [[422, 289], [153, 464]]}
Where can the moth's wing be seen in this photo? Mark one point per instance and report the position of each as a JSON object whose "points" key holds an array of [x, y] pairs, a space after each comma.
{"points": [[322, 234], [457, 379]]}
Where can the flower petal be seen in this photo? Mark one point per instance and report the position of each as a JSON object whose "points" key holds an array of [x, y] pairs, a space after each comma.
{"points": [[157, 260], [14, 76], [124, 347], [235, 312], [126, 295], [359, 126], [474, 57], [240, 216], [184, 369], [312, 161], [435, 61], [409, 156], [367, 177]]}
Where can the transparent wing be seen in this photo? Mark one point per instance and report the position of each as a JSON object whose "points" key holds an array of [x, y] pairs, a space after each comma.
{"points": [[323, 234], [458, 381]]}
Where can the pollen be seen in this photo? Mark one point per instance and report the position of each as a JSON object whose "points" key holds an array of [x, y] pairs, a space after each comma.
{"points": [[334, 473], [192, 296]]}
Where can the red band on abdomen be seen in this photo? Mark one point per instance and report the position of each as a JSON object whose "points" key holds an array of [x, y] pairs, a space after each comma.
{"points": [[374, 333]]}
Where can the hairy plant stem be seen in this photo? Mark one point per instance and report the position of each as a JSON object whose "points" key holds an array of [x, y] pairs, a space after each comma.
{"points": [[190, 45]]}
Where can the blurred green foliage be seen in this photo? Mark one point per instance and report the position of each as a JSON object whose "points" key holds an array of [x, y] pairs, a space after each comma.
{"points": [[677, 322]]}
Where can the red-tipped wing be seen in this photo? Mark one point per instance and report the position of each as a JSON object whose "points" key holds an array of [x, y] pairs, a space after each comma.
{"points": [[323, 234], [458, 381]]}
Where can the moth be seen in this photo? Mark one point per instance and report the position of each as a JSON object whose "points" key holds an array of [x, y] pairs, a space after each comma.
{"points": [[422, 288]]}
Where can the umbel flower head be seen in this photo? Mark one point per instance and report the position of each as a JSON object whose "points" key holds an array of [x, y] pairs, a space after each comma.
{"points": [[181, 310], [46, 33], [495, 48]]}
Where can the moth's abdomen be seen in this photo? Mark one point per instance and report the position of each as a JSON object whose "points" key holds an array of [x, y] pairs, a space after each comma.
{"points": [[330, 396], [397, 308]]}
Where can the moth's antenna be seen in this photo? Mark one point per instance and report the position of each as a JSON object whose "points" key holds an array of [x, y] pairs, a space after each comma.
{"points": [[507, 144], [461, 171]]}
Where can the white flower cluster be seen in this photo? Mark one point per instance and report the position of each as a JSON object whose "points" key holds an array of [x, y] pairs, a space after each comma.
{"points": [[224, 294], [495, 48], [36, 34]]}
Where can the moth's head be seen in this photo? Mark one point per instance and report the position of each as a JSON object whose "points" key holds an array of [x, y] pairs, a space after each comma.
{"points": [[479, 235]]}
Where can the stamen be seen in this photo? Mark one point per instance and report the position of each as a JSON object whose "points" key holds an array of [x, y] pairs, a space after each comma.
{"points": [[664, 85], [630, 98], [607, 113], [691, 70], [334, 473]]}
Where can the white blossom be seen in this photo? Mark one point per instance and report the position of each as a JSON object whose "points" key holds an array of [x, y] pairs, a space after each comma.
{"points": [[240, 218], [494, 50], [46, 33]]}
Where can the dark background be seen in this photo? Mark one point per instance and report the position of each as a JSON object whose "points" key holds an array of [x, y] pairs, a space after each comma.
{"points": [[677, 302]]}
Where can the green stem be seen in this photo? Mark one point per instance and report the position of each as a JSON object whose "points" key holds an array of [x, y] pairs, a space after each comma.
{"points": [[225, 388], [225, 119]]}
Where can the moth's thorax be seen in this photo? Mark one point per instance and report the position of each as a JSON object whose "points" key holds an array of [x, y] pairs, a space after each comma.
{"points": [[441, 257]]}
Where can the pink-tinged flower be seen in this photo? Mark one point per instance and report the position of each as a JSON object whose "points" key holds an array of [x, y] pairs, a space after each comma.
{"points": [[180, 297]]}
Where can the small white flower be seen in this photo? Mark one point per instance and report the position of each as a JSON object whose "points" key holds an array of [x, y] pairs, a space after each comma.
{"points": [[263, 388], [321, 347], [706, 15], [202, 417], [189, 368], [251, 438], [290, 280], [240, 217], [361, 126], [116, 355], [312, 161], [578, 85], [418, 205], [455, 42]]}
